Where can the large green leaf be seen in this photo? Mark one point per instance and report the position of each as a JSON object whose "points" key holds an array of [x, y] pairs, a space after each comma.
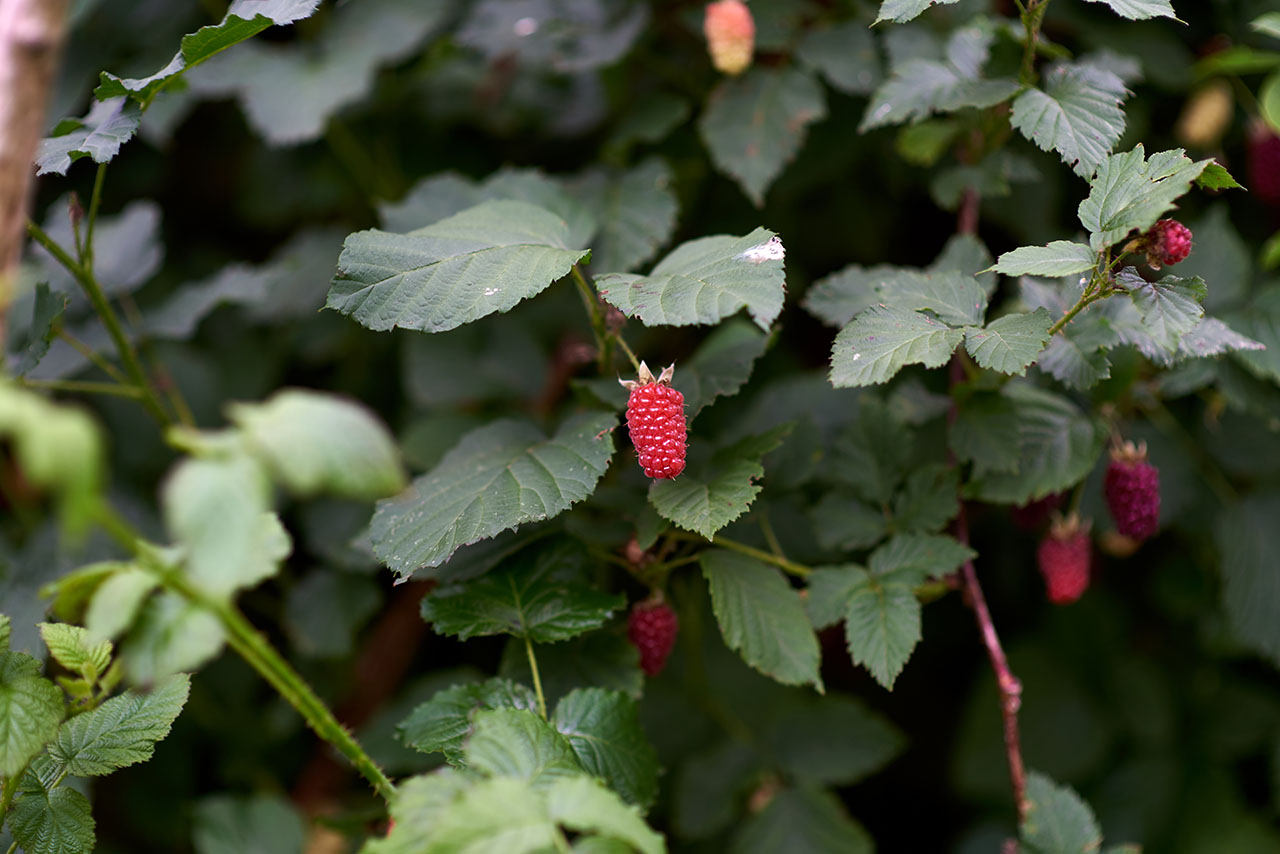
{"points": [[1059, 258], [314, 442], [901, 11], [710, 495], [583, 804], [52, 822], [831, 740], [754, 124], [245, 19], [603, 728], [1170, 308], [882, 622], [443, 813], [529, 598], [721, 365], [1251, 586], [881, 341], [261, 824], [442, 723], [845, 54], [122, 731], [929, 499], [107, 126], [46, 310], [171, 635], [1011, 343], [498, 477], [485, 259], [805, 820], [761, 617], [219, 510], [1141, 9], [1057, 821], [704, 281], [636, 210], [1077, 114], [30, 711], [517, 743], [985, 432], [1130, 192]]}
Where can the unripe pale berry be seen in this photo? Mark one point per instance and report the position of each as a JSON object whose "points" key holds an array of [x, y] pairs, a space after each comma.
{"points": [[652, 630], [731, 35], [1132, 489], [656, 420], [1064, 556]]}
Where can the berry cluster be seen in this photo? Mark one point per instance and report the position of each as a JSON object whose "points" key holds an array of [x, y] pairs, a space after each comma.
{"points": [[731, 35], [1132, 489], [652, 630], [1167, 242], [655, 418]]}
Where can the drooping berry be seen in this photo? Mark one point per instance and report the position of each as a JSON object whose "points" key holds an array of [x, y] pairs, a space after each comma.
{"points": [[1264, 163], [1132, 488], [652, 629], [1167, 242], [731, 35], [655, 417], [1064, 558]]}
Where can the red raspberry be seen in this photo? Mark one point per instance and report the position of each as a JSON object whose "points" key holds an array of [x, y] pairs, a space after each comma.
{"points": [[655, 417], [1132, 488], [1168, 242], [731, 34], [1264, 163], [652, 630], [1064, 556]]}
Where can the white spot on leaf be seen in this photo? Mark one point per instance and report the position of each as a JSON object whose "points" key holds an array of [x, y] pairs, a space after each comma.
{"points": [[770, 250]]}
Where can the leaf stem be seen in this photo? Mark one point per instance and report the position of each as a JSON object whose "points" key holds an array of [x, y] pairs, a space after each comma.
{"points": [[91, 219], [97, 358], [599, 328], [86, 387], [1086, 299], [782, 563], [128, 355], [635, 363], [537, 679], [257, 652]]}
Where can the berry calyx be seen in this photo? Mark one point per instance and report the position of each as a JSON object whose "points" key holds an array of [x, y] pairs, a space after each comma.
{"points": [[731, 34], [651, 629], [1132, 490], [1167, 242], [1064, 556], [656, 420]]}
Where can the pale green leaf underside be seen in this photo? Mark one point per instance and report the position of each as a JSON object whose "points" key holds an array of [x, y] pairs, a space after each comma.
{"points": [[122, 731], [1170, 308], [498, 477], [484, 259], [1059, 258], [704, 281], [1138, 10], [1077, 114], [901, 11], [881, 341], [585, 805], [1057, 820], [99, 135], [1130, 192], [762, 618], [1011, 343]]}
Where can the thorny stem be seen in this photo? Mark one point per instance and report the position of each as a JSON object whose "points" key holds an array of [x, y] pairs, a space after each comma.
{"points": [[257, 652], [128, 355], [537, 679], [1032, 17]]}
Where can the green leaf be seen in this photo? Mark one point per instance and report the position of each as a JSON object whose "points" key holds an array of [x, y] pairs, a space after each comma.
{"points": [[1077, 114], [985, 432], [832, 740], [636, 210], [920, 87], [762, 618], [710, 786], [262, 824], [754, 124], [924, 143], [1011, 343], [517, 743], [830, 589], [706, 497], [1212, 337], [1073, 363], [992, 177], [498, 477], [30, 711], [1057, 820], [1058, 445], [325, 610], [485, 259], [500, 815], [1269, 102], [418, 806], [529, 598], [912, 558], [314, 443], [929, 500], [870, 454], [804, 820], [6, 630], [219, 511], [1267, 23], [1216, 177], [1251, 587], [704, 281], [116, 601], [882, 623], [604, 659], [122, 731], [442, 724], [1059, 258], [53, 822], [901, 11], [245, 19], [845, 523], [1130, 192], [1170, 307], [74, 649], [603, 728], [583, 804], [171, 635], [1138, 10], [845, 54], [721, 365], [46, 312], [881, 341], [107, 126]]}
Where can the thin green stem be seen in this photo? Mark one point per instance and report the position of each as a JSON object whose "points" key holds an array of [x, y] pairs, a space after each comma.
{"points": [[599, 327], [1086, 299], [87, 387], [258, 653], [95, 201], [770, 537], [782, 563], [635, 363], [10, 789], [128, 355], [537, 679], [562, 844], [97, 358], [12, 849]]}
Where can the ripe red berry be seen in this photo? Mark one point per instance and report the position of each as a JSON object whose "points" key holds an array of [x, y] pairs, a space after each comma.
{"points": [[655, 417], [731, 34], [1064, 557], [1168, 242], [1132, 488], [1264, 163], [652, 630]]}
